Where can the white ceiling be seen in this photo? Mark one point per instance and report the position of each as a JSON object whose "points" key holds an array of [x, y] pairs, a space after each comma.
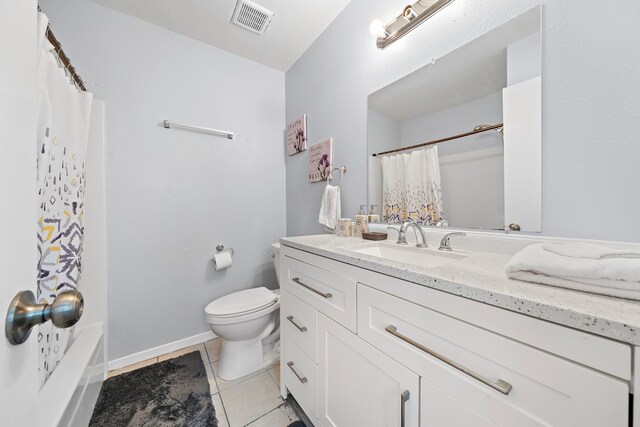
{"points": [[477, 69], [294, 27]]}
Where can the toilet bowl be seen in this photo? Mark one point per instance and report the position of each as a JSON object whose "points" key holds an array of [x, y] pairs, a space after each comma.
{"points": [[248, 323]]}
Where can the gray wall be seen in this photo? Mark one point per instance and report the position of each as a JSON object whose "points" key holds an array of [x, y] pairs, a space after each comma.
{"points": [[173, 195], [591, 121]]}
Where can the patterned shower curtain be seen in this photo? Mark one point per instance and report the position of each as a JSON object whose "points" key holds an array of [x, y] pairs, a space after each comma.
{"points": [[411, 187], [63, 129]]}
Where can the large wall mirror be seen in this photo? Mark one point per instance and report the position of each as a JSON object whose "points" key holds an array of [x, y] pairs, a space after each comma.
{"points": [[458, 142]]}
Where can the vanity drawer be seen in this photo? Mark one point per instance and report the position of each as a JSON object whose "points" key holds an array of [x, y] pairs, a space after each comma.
{"points": [[300, 375], [469, 366], [325, 291], [300, 322]]}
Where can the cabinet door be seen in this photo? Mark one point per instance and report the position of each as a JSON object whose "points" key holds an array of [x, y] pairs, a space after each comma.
{"points": [[439, 409], [359, 385]]}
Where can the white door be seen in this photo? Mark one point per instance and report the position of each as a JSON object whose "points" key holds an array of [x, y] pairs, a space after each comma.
{"points": [[18, 203], [360, 386]]}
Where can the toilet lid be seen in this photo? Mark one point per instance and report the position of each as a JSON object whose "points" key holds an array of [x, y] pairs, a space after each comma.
{"points": [[241, 302]]}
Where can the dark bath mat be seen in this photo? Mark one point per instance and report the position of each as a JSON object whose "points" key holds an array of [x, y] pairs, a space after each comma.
{"points": [[297, 424], [170, 393]]}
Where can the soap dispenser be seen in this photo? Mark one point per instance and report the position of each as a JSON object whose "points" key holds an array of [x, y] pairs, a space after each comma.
{"points": [[373, 217], [361, 222]]}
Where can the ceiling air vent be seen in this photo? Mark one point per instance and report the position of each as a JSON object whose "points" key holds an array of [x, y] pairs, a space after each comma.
{"points": [[251, 16]]}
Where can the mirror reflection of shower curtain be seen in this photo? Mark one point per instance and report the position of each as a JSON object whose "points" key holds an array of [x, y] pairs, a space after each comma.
{"points": [[63, 129], [411, 187]]}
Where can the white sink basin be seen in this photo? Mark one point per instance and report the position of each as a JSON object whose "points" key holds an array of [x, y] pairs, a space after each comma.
{"points": [[421, 257]]}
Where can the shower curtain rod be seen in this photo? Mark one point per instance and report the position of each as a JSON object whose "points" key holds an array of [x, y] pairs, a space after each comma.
{"points": [[65, 60], [424, 144]]}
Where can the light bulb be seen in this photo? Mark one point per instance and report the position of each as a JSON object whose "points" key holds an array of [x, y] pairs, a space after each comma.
{"points": [[378, 29]]}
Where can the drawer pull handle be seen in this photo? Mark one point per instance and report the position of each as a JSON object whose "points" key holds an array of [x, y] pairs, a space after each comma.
{"points": [[403, 400], [502, 386], [322, 294], [302, 379], [300, 328]]}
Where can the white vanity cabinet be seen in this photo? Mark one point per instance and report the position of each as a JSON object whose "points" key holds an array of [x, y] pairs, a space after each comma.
{"points": [[390, 351]]}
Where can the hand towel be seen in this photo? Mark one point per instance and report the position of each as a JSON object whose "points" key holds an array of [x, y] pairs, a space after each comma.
{"points": [[613, 276], [330, 209]]}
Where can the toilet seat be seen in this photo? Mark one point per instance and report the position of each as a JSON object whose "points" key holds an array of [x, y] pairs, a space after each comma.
{"points": [[246, 304]]}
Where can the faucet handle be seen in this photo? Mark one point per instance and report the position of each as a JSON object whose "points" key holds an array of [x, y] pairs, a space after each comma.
{"points": [[444, 243]]}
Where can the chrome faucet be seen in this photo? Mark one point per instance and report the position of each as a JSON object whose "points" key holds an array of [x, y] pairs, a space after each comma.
{"points": [[417, 228], [402, 233]]}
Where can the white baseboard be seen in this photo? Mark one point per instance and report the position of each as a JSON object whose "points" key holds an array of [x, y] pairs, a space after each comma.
{"points": [[160, 350]]}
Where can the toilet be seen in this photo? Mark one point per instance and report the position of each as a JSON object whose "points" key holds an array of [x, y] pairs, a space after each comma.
{"points": [[248, 323]]}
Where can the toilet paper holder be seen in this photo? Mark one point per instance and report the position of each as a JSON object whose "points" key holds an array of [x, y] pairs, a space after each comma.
{"points": [[221, 248]]}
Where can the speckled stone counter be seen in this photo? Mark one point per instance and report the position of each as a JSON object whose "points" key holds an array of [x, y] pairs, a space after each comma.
{"points": [[480, 276]]}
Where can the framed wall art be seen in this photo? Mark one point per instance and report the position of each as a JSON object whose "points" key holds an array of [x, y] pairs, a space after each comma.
{"points": [[297, 135], [321, 160]]}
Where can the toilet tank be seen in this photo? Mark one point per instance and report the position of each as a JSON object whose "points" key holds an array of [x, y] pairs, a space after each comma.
{"points": [[275, 254]]}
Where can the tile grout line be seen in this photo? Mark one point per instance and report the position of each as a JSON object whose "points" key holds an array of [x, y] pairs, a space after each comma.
{"points": [[215, 378], [219, 393], [245, 378], [264, 415], [248, 377], [274, 380], [256, 374]]}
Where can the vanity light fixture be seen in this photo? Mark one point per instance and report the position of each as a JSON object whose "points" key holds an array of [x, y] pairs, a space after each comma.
{"points": [[410, 18]]}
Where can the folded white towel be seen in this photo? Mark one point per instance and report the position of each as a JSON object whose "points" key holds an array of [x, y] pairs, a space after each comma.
{"points": [[614, 276], [330, 209], [589, 250]]}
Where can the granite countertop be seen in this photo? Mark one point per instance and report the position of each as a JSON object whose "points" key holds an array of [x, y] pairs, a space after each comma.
{"points": [[480, 276]]}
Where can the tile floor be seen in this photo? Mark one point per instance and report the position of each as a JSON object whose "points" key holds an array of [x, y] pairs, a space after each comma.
{"points": [[252, 401]]}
